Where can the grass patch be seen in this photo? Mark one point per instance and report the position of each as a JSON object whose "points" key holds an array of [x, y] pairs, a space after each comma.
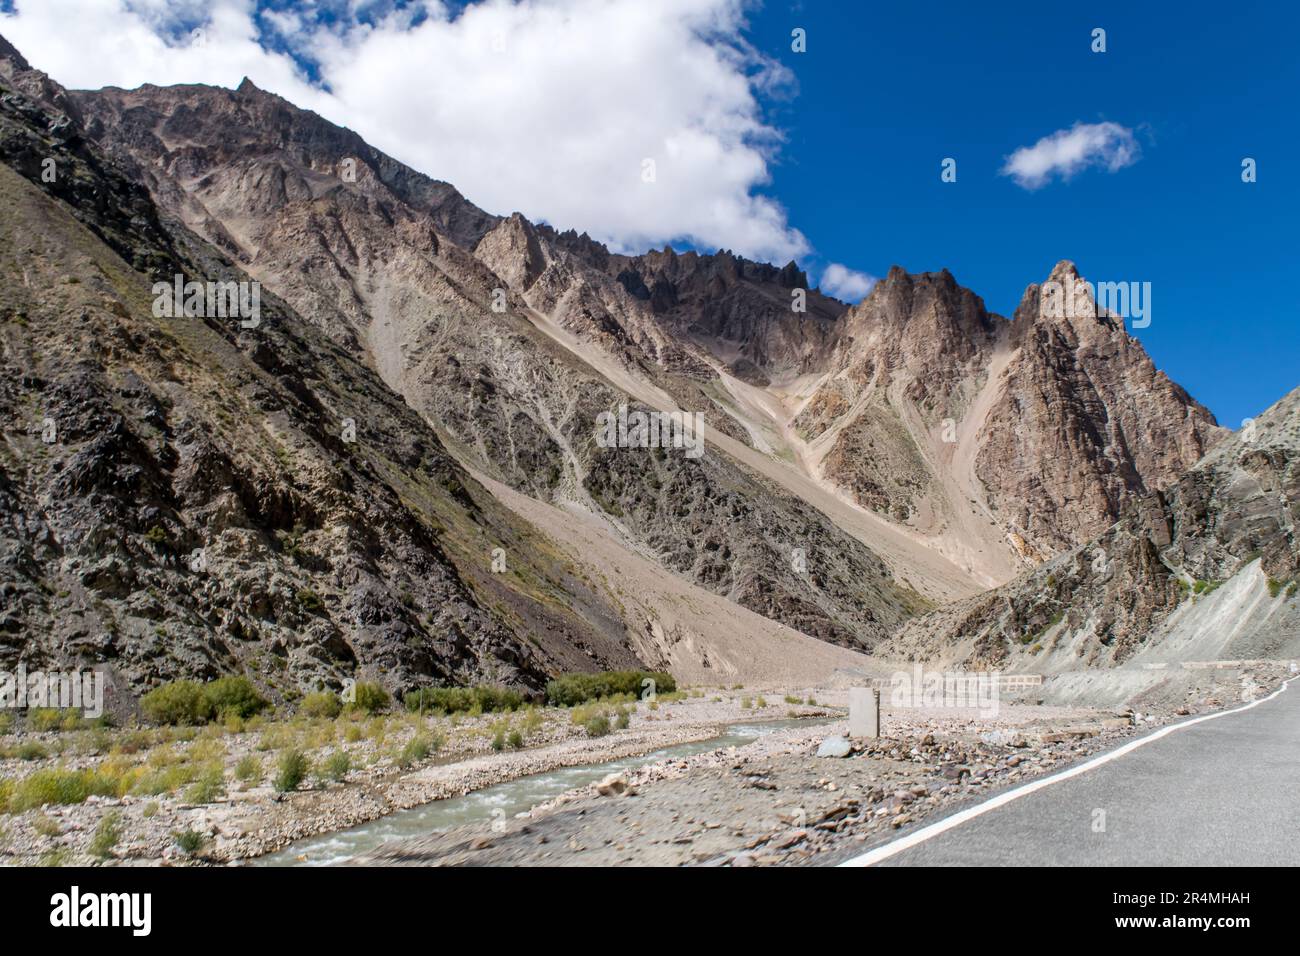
{"points": [[58, 785]]}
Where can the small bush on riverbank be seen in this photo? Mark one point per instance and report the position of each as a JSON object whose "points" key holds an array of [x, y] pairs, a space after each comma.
{"points": [[249, 769], [189, 841], [573, 689], [337, 766], [291, 770], [418, 748], [208, 786]]}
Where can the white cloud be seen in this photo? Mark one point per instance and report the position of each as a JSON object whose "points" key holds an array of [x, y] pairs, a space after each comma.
{"points": [[1068, 151], [549, 107], [845, 283]]}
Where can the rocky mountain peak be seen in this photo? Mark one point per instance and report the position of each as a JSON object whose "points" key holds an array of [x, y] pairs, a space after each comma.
{"points": [[514, 252]]}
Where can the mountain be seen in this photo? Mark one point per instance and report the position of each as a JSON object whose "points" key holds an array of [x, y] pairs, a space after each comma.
{"points": [[192, 496], [398, 473], [504, 336], [1206, 569], [181, 497]]}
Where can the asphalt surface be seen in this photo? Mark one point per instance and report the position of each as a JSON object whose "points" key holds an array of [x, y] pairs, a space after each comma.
{"points": [[1222, 792]]}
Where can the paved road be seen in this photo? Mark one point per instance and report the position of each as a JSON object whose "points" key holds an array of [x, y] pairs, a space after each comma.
{"points": [[1223, 792]]}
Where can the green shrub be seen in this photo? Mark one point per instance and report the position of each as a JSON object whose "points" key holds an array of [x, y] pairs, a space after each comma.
{"points": [[190, 841], [234, 696], [1275, 587], [458, 700], [107, 835], [418, 748], [291, 770], [597, 726], [622, 719], [515, 740], [369, 698], [31, 750], [310, 601], [249, 769], [499, 741], [337, 766], [180, 702], [207, 788], [323, 703], [570, 690]]}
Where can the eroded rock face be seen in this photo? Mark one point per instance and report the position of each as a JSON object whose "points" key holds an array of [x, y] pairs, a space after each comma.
{"points": [[183, 497], [1230, 523], [459, 319], [1086, 423], [402, 307], [1022, 439]]}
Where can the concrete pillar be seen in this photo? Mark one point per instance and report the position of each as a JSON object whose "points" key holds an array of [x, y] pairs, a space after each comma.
{"points": [[864, 712]]}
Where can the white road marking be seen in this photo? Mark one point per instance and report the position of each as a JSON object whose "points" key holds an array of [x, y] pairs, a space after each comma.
{"points": [[970, 813]]}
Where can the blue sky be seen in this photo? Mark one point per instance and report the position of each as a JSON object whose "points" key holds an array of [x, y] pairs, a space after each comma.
{"points": [[885, 91], [831, 156]]}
